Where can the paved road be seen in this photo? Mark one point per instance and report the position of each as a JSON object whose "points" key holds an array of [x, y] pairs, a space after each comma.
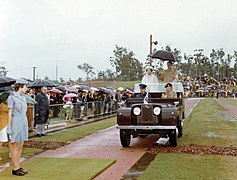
{"points": [[105, 144]]}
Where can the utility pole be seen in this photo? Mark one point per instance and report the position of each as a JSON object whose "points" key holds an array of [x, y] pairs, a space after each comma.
{"points": [[56, 70], [34, 68], [150, 49]]}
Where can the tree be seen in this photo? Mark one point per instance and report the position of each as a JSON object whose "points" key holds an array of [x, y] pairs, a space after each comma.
{"points": [[88, 69], [3, 71], [235, 64], [107, 75], [127, 67]]}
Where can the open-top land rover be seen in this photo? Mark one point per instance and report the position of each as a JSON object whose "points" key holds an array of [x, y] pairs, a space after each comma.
{"points": [[155, 115]]}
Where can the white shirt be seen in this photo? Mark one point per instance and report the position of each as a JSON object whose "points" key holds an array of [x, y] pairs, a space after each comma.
{"points": [[147, 79]]}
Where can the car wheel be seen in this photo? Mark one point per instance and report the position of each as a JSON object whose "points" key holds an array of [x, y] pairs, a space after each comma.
{"points": [[173, 138], [125, 137], [180, 131]]}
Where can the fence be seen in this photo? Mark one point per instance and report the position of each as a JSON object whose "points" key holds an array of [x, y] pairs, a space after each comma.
{"points": [[80, 111]]}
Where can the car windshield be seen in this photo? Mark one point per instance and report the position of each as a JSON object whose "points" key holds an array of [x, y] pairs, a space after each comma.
{"points": [[160, 87]]}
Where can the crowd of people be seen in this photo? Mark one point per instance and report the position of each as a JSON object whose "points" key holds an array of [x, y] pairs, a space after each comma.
{"points": [[209, 87]]}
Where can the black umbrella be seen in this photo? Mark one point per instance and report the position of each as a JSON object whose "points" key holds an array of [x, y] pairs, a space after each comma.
{"points": [[7, 88], [41, 83], [164, 55], [6, 81]]}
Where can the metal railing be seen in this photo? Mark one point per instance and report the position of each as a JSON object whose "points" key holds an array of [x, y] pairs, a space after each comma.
{"points": [[80, 111]]}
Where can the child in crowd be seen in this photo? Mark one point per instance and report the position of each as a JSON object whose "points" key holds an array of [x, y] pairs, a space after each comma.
{"points": [[69, 109]]}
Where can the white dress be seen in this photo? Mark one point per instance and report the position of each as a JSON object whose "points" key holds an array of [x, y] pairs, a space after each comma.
{"points": [[148, 79]]}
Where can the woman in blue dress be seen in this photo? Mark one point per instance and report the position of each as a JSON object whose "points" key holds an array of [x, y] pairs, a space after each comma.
{"points": [[17, 125]]}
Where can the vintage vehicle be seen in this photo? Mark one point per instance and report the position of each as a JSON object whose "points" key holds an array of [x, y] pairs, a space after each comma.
{"points": [[163, 116]]}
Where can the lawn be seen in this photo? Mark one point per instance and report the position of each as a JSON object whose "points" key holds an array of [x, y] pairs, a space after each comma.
{"points": [[209, 124], [26, 152], [77, 132], [62, 136], [186, 166], [230, 101]]}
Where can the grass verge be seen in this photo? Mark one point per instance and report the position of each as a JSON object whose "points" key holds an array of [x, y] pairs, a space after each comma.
{"points": [[186, 166], [61, 168], [232, 102], [77, 132], [209, 124], [26, 152]]}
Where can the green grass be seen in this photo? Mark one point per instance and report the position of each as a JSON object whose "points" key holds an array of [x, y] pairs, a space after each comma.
{"points": [[124, 84], [26, 152], [209, 124], [77, 132], [231, 101], [61, 168], [186, 166]]}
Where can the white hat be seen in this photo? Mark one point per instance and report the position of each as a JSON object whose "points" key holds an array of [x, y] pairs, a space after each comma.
{"points": [[120, 89], [149, 67]]}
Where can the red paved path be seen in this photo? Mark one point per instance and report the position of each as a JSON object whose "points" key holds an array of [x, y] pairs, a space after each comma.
{"points": [[230, 108], [105, 144]]}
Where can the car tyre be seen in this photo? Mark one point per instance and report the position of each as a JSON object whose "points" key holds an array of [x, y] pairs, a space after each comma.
{"points": [[180, 131], [173, 138], [125, 137]]}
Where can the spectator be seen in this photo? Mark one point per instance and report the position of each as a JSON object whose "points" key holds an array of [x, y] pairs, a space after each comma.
{"points": [[69, 110], [41, 111]]}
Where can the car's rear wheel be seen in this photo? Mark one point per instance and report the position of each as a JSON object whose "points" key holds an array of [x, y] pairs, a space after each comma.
{"points": [[173, 138], [125, 137]]}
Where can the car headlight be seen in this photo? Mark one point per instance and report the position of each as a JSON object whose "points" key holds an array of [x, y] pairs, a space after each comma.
{"points": [[136, 111], [156, 111]]}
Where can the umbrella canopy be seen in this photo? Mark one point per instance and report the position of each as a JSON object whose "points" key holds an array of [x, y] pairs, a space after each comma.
{"points": [[85, 87], [4, 95], [6, 81], [70, 95], [41, 83], [61, 88], [76, 86], [105, 90], [94, 89], [7, 88], [71, 89], [164, 55], [55, 91], [30, 100]]}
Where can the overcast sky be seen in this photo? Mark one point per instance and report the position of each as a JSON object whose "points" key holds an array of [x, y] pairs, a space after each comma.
{"points": [[40, 32]]}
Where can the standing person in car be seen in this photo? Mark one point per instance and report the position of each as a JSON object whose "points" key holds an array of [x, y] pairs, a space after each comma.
{"points": [[149, 77]]}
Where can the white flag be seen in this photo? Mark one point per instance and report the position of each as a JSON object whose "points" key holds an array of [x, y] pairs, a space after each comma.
{"points": [[145, 100]]}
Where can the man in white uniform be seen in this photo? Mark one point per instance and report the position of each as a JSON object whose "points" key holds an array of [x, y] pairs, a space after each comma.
{"points": [[149, 77]]}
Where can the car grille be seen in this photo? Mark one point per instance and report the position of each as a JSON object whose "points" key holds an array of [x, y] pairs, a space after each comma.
{"points": [[147, 116]]}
